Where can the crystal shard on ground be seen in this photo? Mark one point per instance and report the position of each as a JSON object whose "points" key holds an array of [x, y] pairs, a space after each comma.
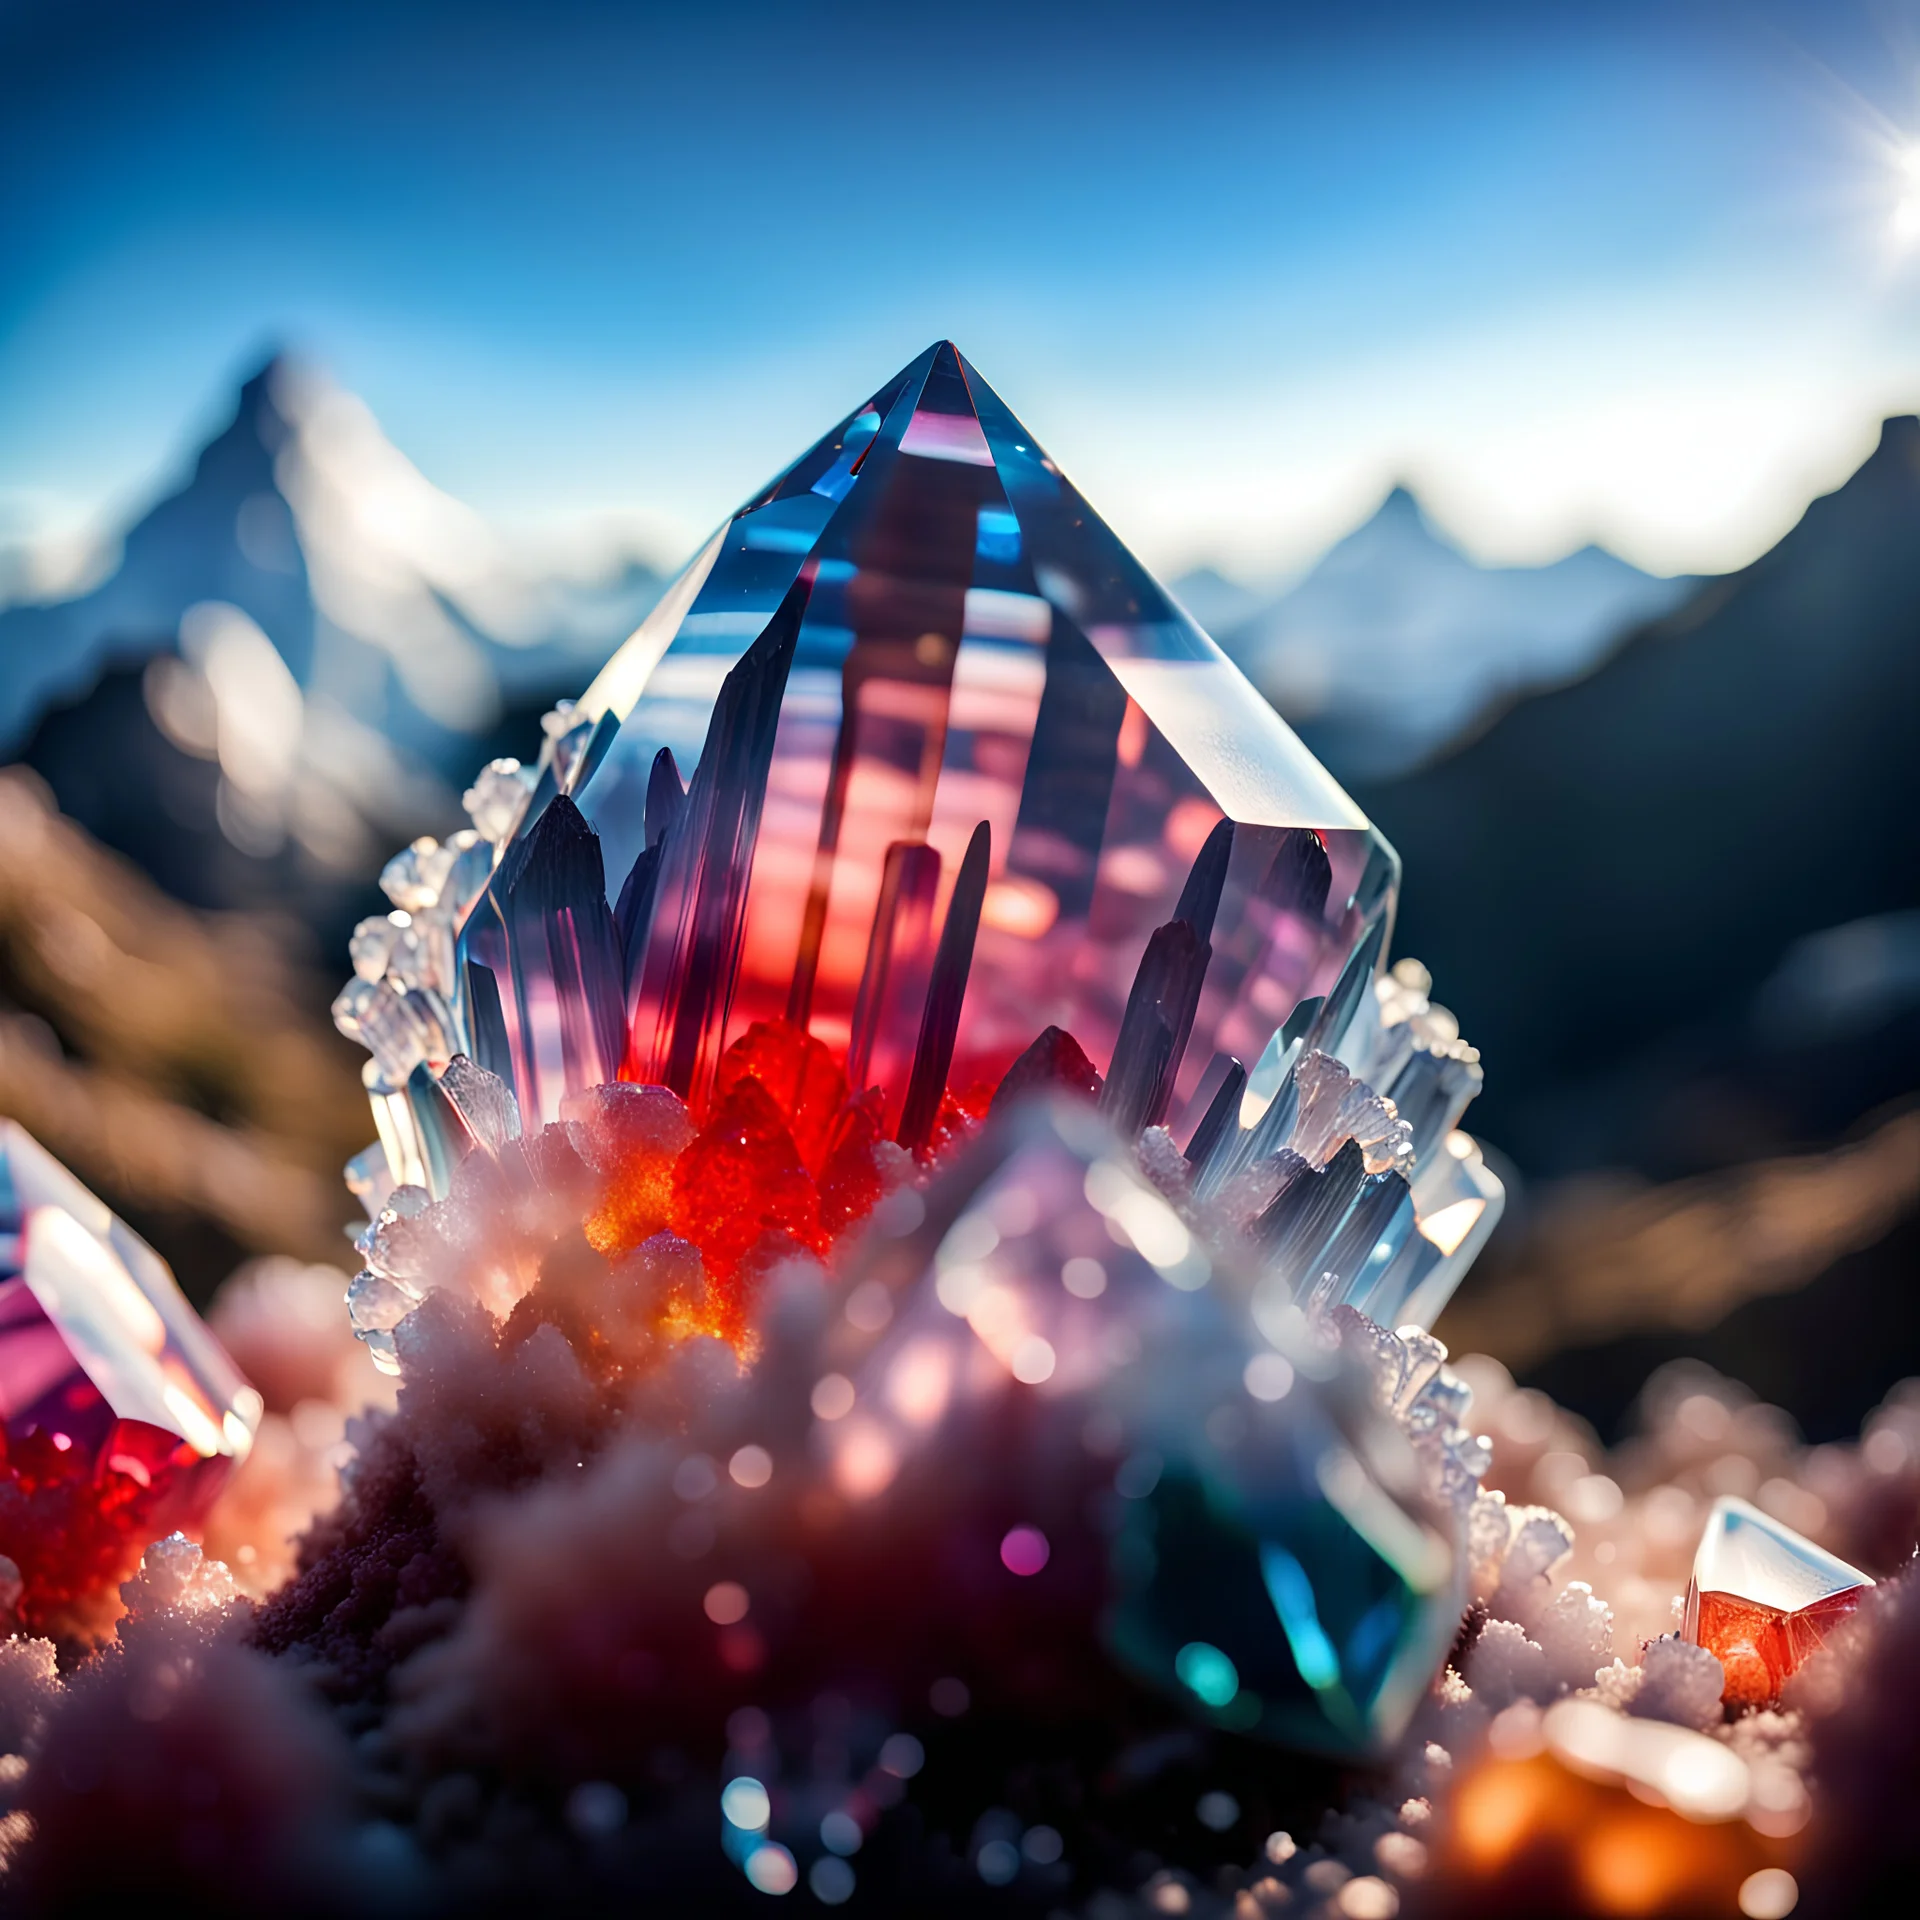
{"points": [[122, 1415], [1762, 1598]]}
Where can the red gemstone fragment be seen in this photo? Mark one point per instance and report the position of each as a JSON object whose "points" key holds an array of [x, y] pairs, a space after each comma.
{"points": [[962, 1109], [800, 1074], [1762, 1599], [851, 1182], [121, 1414], [741, 1180], [1054, 1063], [1760, 1648]]}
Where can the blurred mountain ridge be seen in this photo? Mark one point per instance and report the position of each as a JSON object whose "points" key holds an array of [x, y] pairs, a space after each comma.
{"points": [[1737, 775], [1674, 904], [380, 592], [180, 1061], [301, 657], [1396, 642]]}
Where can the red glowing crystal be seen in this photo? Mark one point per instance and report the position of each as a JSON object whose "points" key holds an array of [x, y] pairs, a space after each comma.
{"points": [[851, 1181], [1762, 1599], [121, 1415], [741, 1180], [799, 1072], [960, 1113]]}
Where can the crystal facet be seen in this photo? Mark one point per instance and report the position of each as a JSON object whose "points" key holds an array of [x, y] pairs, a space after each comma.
{"points": [[1762, 1598], [122, 1414]]}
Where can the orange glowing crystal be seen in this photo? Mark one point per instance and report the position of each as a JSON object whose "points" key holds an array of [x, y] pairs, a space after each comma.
{"points": [[632, 1138], [1763, 1598]]}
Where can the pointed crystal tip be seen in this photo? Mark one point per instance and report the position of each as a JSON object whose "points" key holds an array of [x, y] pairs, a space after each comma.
{"points": [[1763, 1598]]}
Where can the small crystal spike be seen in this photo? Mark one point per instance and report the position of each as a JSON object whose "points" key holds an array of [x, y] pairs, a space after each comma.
{"points": [[544, 977], [121, 1414], [1762, 1599], [1458, 1200]]}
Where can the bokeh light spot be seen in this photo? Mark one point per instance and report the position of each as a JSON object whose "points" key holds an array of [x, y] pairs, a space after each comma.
{"points": [[831, 1880], [1770, 1894], [1269, 1376], [840, 1832], [751, 1467], [832, 1397], [1024, 1551], [726, 1603], [771, 1869], [998, 1862], [744, 1802], [1207, 1673]]}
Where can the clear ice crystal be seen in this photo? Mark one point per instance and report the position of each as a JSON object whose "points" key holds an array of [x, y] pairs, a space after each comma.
{"points": [[498, 798], [371, 947], [412, 879], [1335, 1107]]}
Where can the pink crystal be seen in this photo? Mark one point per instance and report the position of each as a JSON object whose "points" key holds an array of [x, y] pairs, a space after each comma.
{"points": [[121, 1414]]}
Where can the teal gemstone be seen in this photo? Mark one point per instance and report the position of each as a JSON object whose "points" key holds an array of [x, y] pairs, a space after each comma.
{"points": [[1308, 1602]]}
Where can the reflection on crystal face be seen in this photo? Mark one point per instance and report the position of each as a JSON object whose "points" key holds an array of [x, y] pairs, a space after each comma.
{"points": [[1274, 1558], [122, 1415], [1762, 1598]]}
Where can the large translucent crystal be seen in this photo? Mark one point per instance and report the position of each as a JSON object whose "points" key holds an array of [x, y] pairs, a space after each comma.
{"points": [[919, 629], [122, 1414]]}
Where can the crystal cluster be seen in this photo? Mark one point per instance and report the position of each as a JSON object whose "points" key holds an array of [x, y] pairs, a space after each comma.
{"points": [[974, 807], [916, 803], [122, 1415]]}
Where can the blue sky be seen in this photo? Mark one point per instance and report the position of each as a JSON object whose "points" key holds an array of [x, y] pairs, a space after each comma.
{"points": [[1638, 273]]}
